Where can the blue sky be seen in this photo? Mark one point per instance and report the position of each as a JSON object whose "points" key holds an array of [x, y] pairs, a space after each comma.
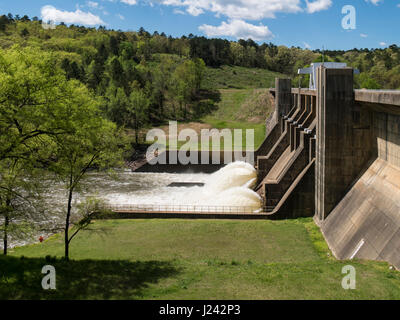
{"points": [[304, 23]]}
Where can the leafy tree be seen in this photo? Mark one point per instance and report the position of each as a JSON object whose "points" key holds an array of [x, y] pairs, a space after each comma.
{"points": [[160, 83], [20, 204], [72, 69], [117, 105], [365, 82], [33, 92], [90, 142], [114, 45], [199, 71], [94, 74], [3, 23], [238, 53], [24, 32], [137, 111], [33, 89], [116, 72]]}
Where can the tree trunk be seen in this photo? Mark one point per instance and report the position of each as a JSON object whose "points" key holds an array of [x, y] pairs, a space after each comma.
{"points": [[66, 239], [5, 238]]}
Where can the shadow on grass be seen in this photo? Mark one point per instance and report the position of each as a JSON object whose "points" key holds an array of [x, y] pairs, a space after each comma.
{"points": [[20, 278]]}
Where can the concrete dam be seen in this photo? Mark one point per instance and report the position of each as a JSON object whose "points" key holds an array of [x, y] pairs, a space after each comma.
{"points": [[330, 152], [334, 153]]}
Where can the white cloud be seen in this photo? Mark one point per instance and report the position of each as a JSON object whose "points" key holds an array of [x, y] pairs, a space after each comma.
{"points": [[383, 44], [318, 5], [195, 11], [177, 11], [363, 35], [238, 29], [120, 16], [238, 9], [130, 2], [375, 2], [306, 45], [50, 13], [93, 4]]}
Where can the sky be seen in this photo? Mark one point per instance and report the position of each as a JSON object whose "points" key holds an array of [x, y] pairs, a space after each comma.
{"points": [[312, 24]]}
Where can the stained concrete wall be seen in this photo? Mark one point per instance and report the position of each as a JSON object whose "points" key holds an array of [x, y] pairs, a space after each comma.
{"points": [[366, 223], [387, 133], [344, 138], [299, 200], [283, 98]]}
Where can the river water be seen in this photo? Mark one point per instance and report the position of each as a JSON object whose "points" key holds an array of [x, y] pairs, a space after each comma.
{"points": [[230, 186]]}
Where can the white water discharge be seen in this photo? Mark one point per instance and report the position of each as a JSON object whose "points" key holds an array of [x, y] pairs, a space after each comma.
{"points": [[230, 187]]}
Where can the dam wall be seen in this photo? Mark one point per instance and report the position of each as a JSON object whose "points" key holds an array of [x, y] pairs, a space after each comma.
{"points": [[366, 222], [337, 159]]}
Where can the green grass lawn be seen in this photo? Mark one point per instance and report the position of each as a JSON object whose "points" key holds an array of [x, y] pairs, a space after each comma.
{"points": [[193, 259]]}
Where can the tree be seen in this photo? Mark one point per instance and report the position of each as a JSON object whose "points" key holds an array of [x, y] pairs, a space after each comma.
{"points": [[238, 53], [137, 111], [117, 105], [33, 89], [20, 204], [3, 23], [365, 82], [44, 114], [94, 74], [71, 69], [160, 81], [116, 72], [90, 142], [199, 70], [186, 80], [24, 32], [114, 46]]}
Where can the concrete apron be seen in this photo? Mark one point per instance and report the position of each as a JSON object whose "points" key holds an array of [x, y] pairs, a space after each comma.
{"points": [[366, 222]]}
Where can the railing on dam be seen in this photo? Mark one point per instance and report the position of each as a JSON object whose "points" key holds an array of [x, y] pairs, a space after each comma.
{"points": [[143, 208]]}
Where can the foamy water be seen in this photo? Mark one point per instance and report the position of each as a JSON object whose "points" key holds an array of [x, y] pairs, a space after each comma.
{"points": [[230, 186]]}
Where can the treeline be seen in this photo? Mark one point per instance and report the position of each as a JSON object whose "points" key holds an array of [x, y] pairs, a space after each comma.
{"points": [[145, 79], [142, 79]]}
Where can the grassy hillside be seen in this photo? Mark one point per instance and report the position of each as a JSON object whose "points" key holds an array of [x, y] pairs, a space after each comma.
{"points": [[245, 108], [242, 109], [189, 259], [233, 77]]}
